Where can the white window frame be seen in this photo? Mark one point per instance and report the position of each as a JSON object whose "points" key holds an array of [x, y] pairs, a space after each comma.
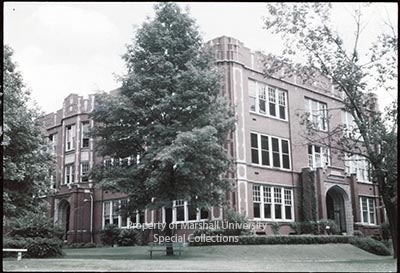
{"points": [[70, 137], [81, 170], [358, 165], [371, 209], [69, 171], [324, 156], [53, 139], [262, 200], [83, 124], [111, 211], [270, 152], [320, 114], [258, 90], [186, 213], [350, 126]]}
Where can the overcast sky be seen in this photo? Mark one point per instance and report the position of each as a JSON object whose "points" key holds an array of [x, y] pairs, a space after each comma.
{"points": [[64, 48]]}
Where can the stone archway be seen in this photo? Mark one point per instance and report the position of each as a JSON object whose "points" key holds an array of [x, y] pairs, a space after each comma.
{"points": [[339, 209], [63, 216]]}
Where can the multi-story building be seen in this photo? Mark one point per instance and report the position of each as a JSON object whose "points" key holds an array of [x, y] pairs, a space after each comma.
{"points": [[279, 177]]}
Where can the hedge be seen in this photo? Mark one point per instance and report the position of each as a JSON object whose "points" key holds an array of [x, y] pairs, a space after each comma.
{"points": [[37, 247]]}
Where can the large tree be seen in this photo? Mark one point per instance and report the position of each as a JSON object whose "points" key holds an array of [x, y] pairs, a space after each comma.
{"points": [[170, 112], [355, 72], [25, 158]]}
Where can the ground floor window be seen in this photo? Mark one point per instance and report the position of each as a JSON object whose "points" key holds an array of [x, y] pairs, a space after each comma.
{"points": [[112, 214], [367, 206], [272, 203], [183, 211]]}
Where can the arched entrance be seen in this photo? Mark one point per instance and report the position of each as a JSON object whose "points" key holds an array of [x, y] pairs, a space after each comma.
{"points": [[63, 216], [335, 207]]}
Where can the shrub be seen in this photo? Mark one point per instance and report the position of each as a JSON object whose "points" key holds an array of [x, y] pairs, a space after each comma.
{"points": [[37, 247], [358, 233], [34, 225], [127, 237], [275, 228], [385, 229], [284, 239], [333, 227], [296, 227], [237, 218], [309, 227], [109, 235], [371, 245]]}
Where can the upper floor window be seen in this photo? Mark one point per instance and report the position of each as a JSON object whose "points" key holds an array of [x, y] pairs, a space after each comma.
{"points": [[317, 114], [69, 174], [85, 171], [272, 203], [269, 151], [85, 134], [69, 137], [350, 127], [367, 206], [267, 100], [359, 165], [318, 156], [53, 139]]}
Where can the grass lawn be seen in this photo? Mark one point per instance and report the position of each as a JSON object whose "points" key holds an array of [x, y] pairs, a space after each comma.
{"points": [[272, 258]]}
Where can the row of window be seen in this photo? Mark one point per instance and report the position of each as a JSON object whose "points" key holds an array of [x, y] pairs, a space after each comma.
{"points": [[181, 211]]}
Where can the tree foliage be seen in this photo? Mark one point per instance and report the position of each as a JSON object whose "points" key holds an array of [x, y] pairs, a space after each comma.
{"points": [[25, 159], [170, 112], [306, 28]]}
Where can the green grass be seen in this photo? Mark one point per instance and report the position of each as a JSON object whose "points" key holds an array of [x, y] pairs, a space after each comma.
{"points": [[272, 258]]}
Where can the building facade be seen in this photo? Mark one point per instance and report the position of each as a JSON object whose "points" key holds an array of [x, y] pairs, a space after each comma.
{"points": [[279, 176]]}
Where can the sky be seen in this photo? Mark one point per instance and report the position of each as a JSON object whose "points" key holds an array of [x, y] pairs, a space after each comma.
{"points": [[76, 47]]}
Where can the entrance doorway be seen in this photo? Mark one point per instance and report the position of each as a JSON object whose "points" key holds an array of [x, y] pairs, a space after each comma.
{"points": [[335, 207], [63, 216]]}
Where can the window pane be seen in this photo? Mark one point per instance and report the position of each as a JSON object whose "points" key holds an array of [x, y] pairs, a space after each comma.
{"points": [[253, 140], [264, 142], [272, 110], [267, 211], [204, 214], [256, 210], [282, 113], [265, 158], [285, 147], [278, 211], [192, 212], [275, 153], [288, 212], [254, 156], [180, 213], [285, 162]]}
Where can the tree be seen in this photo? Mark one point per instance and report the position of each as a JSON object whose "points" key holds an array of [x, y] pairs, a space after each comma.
{"points": [[169, 111], [26, 160], [305, 28]]}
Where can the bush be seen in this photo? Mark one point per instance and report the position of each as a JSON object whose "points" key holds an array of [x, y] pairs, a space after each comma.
{"points": [[275, 228], [284, 239], [385, 229], [109, 235], [309, 227], [34, 225], [333, 227], [371, 245], [296, 227], [237, 218], [358, 233], [37, 247], [127, 237]]}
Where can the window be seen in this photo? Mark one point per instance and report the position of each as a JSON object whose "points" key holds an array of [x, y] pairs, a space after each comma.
{"points": [[183, 212], [359, 165], [350, 127], [84, 171], [267, 100], [317, 114], [112, 213], [85, 134], [367, 206], [69, 174], [318, 157], [269, 151], [70, 137], [272, 203], [53, 139]]}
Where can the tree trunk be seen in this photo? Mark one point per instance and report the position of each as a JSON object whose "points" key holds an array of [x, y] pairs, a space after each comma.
{"points": [[168, 232], [392, 217]]}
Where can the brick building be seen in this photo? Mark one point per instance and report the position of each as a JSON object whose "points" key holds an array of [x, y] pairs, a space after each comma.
{"points": [[279, 176]]}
